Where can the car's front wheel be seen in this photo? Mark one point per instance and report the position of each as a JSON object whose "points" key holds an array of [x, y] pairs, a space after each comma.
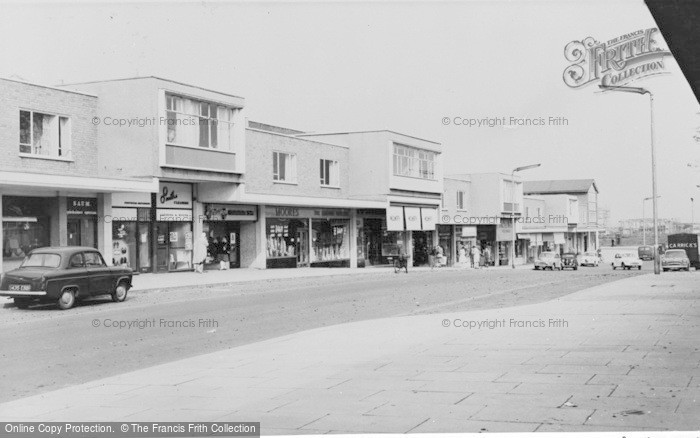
{"points": [[67, 299], [120, 292]]}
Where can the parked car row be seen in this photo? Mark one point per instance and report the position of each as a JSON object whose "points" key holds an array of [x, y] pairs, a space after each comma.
{"points": [[64, 275]]}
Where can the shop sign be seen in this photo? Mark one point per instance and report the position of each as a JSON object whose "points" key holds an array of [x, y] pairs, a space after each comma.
{"points": [[131, 200], [468, 231], [224, 212], [296, 212], [370, 212], [413, 220], [504, 233], [120, 214], [81, 206], [173, 215], [429, 218], [394, 219], [174, 195]]}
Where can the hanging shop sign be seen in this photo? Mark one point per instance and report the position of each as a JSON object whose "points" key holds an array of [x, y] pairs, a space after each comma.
{"points": [[229, 212], [81, 206], [394, 219], [429, 218]]}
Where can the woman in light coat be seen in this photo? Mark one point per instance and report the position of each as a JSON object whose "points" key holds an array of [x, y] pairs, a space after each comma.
{"points": [[200, 253]]}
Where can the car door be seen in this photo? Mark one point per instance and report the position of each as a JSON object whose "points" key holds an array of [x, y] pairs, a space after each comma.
{"points": [[76, 274], [99, 274]]}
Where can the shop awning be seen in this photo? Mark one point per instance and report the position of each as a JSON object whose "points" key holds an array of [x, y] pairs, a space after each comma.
{"points": [[394, 219], [429, 218], [413, 218], [559, 239]]}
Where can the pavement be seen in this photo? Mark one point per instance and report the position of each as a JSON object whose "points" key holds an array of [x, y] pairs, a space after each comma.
{"points": [[150, 281], [621, 356]]}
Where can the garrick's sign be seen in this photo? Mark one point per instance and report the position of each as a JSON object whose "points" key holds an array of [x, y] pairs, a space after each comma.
{"points": [[614, 62]]}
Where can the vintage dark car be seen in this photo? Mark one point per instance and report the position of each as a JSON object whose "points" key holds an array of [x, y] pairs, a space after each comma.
{"points": [[63, 275], [569, 261]]}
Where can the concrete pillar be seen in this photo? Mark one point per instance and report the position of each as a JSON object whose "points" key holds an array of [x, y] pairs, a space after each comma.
{"points": [[104, 226], [254, 242], [197, 220], [60, 237], [352, 235]]}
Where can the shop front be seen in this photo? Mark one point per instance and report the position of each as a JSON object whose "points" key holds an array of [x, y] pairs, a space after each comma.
{"points": [[132, 219], [465, 237], [173, 234], [300, 237], [446, 240], [81, 224], [222, 225], [26, 225]]}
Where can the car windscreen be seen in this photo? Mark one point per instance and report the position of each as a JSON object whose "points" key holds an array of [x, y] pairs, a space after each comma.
{"points": [[41, 260], [675, 253], [547, 255], [590, 254]]}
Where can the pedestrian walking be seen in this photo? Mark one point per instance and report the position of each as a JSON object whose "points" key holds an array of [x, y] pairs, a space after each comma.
{"points": [[200, 253], [431, 257], [471, 256], [487, 256]]}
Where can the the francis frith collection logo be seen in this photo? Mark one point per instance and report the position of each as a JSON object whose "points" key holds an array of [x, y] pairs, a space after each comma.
{"points": [[614, 62]]}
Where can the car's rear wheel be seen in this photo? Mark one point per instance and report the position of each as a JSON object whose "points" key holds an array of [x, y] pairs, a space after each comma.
{"points": [[66, 300], [120, 292], [22, 303]]}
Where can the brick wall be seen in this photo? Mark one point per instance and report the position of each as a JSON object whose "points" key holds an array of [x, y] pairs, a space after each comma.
{"points": [[79, 108], [258, 175]]}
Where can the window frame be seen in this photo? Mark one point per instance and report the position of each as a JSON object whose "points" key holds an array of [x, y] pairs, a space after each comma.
{"points": [[60, 129], [333, 170], [290, 168], [216, 125], [413, 162], [460, 199]]}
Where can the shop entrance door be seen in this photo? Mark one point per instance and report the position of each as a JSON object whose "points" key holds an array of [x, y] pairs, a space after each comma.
{"points": [[373, 235], [302, 247], [81, 232], [422, 244]]}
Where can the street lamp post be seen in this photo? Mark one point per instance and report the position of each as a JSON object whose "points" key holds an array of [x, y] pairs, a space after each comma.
{"points": [[512, 209], [639, 90], [644, 219]]}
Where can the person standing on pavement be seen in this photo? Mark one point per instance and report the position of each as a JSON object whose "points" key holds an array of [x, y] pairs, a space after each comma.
{"points": [[200, 253], [462, 259], [471, 256], [487, 256], [477, 256]]}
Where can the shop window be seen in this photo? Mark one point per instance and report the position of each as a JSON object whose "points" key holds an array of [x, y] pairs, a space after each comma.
{"points": [[284, 167], [330, 240], [329, 173], [44, 134], [197, 123]]}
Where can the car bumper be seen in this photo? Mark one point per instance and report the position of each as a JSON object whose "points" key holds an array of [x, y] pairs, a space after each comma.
{"points": [[22, 293]]}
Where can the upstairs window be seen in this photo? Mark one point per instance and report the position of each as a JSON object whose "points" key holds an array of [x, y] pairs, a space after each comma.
{"points": [[460, 200], [44, 134], [284, 167], [329, 173], [199, 124], [414, 162]]}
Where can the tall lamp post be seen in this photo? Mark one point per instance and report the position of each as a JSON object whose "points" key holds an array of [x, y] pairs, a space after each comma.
{"points": [[644, 219], [512, 209], [639, 90]]}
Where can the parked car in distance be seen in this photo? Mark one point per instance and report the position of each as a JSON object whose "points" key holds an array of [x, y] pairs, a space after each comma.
{"points": [[569, 260], [548, 260], [627, 260], [675, 260], [589, 259], [646, 252], [64, 275]]}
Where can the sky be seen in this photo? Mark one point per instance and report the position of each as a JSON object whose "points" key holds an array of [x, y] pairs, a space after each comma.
{"points": [[404, 66]]}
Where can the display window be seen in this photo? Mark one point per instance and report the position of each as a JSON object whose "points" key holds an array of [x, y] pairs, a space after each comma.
{"points": [[330, 240], [26, 224], [223, 245], [287, 242], [174, 245]]}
